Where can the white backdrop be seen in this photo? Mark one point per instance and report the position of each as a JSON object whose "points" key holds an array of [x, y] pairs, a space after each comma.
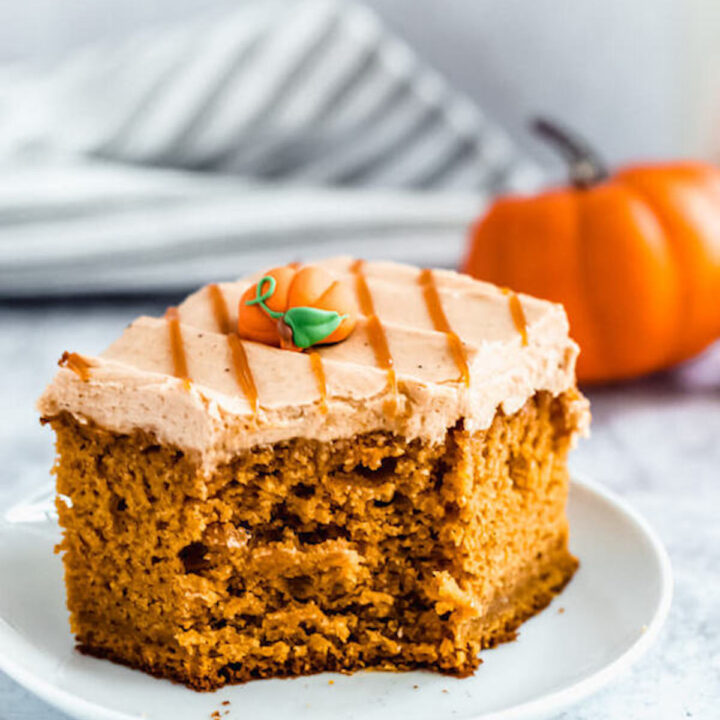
{"points": [[641, 78]]}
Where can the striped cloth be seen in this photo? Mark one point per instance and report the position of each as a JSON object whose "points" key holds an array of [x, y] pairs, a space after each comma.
{"points": [[288, 128]]}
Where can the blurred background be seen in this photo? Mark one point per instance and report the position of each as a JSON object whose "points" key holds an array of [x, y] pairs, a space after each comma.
{"points": [[140, 131], [640, 78], [149, 147]]}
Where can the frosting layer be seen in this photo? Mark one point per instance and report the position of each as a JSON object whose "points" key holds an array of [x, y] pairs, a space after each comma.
{"points": [[431, 348]]}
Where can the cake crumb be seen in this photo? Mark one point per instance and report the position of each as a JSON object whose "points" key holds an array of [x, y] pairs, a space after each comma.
{"points": [[209, 538], [561, 610], [225, 702], [415, 687]]}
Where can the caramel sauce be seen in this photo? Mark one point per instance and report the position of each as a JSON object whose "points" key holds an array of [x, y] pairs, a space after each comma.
{"points": [[243, 373], [426, 279], [517, 313], [220, 309], [319, 373], [177, 349], [77, 363], [375, 330]]}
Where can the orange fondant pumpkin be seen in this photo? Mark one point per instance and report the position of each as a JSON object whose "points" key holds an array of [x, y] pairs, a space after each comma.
{"points": [[295, 308], [634, 258]]}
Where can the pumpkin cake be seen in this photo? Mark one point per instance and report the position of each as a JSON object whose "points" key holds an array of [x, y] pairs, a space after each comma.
{"points": [[240, 499]]}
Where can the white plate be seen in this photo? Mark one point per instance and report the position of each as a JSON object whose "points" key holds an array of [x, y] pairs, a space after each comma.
{"points": [[607, 616]]}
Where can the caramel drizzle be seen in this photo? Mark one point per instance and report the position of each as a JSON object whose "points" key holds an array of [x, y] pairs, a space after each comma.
{"points": [[77, 363], [220, 309], [319, 373], [243, 373], [426, 279], [241, 365], [177, 349], [517, 313], [316, 364], [376, 332]]}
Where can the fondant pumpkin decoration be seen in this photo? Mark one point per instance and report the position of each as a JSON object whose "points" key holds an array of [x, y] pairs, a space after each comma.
{"points": [[634, 257], [296, 308]]}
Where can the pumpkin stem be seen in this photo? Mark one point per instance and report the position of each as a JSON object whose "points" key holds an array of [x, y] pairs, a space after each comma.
{"points": [[586, 168], [261, 297]]}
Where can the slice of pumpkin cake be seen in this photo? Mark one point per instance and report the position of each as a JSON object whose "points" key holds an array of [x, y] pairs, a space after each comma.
{"points": [[327, 467]]}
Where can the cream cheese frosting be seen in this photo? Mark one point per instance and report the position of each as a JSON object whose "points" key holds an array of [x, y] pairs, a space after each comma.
{"points": [[133, 384]]}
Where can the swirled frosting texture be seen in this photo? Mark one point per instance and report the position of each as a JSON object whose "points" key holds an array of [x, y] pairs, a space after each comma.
{"points": [[423, 391]]}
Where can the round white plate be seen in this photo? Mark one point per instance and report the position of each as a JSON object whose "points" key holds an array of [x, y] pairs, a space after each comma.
{"points": [[606, 617]]}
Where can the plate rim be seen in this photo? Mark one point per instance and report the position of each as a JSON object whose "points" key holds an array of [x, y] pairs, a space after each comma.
{"points": [[572, 694], [556, 701]]}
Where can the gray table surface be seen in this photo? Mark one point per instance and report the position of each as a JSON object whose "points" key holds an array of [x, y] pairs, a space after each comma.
{"points": [[656, 442]]}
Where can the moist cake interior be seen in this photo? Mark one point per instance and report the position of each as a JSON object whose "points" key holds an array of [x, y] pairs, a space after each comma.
{"points": [[397, 555]]}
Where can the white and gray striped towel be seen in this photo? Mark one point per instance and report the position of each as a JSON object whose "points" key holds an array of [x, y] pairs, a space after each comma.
{"points": [[290, 128]]}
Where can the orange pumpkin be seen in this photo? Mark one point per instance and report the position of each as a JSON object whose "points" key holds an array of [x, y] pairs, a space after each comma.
{"points": [[295, 308], [634, 258]]}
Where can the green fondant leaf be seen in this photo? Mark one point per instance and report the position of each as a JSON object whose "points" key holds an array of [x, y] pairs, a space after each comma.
{"points": [[310, 325]]}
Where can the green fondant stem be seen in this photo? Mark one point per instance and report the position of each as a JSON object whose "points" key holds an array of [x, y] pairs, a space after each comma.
{"points": [[261, 297]]}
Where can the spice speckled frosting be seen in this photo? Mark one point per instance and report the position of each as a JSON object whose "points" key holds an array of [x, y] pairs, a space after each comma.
{"points": [[430, 349]]}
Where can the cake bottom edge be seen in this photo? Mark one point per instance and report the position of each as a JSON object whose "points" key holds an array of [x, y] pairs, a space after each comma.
{"points": [[499, 625]]}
